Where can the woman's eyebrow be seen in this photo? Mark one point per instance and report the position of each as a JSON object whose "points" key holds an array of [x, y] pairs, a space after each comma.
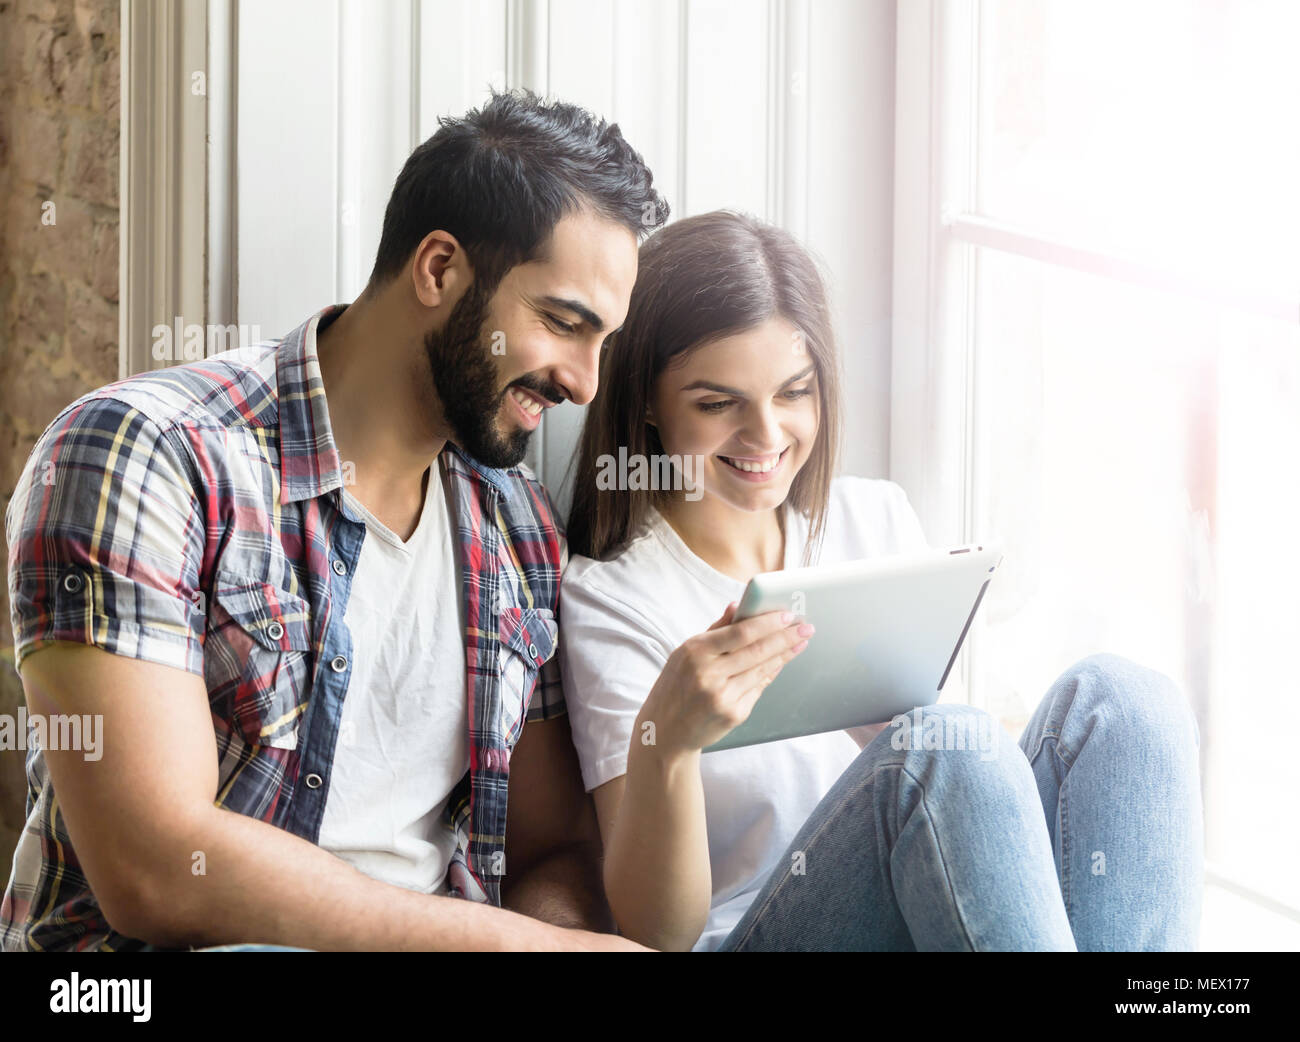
{"points": [[705, 385], [578, 308]]}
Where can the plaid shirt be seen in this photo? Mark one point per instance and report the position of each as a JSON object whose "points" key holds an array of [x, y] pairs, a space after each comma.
{"points": [[193, 517]]}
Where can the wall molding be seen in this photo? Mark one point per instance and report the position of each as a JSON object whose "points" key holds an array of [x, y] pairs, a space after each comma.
{"points": [[527, 44], [222, 138], [787, 115], [164, 174]]}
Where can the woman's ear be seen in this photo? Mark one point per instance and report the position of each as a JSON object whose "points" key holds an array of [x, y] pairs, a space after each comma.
{"points": [[650, 417]]}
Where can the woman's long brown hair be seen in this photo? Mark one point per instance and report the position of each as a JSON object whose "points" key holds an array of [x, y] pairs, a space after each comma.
{"points": [[698, 280]]}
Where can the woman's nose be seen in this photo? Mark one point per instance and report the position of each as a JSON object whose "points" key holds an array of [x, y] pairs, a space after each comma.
{"points": [[762, 428]]}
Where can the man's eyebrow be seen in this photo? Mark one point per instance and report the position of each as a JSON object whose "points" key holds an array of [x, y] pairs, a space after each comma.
{"points": [[580, 309], [705, 385]]}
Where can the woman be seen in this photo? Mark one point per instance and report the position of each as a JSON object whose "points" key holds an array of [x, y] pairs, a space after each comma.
{"points": [[1086, 835]]}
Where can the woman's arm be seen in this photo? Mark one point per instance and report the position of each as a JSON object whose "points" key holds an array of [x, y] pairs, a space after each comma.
{"points": [[657, 880], [866, 734], [657, 876]]}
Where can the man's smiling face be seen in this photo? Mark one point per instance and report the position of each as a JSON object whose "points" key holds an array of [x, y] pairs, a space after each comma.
{"points": [[498, 364]]}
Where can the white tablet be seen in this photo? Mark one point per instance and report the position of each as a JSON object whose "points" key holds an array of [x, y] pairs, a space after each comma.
{"points": [[888, 632]]}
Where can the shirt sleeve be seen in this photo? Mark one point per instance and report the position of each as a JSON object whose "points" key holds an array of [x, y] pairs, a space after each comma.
{"points": [[911, 535], [610, 657], [548, 700], [106, 539]]}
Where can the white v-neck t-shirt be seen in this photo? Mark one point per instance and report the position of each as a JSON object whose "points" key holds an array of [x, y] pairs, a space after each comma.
{"points": [[621, 619], [404, 733]]}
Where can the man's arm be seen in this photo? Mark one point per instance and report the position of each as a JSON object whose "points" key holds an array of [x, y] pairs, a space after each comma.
{"points": [[139, 814], [553, 848]]}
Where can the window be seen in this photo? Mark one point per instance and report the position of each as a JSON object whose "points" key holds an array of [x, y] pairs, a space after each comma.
{"points": [[1097, 363]]}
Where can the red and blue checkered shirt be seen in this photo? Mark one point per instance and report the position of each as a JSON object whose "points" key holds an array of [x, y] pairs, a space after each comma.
{"points": [[194, 517]]}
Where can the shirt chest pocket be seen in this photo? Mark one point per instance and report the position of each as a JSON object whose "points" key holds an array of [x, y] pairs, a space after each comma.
{"points": [[528, 639], [257, 659]]}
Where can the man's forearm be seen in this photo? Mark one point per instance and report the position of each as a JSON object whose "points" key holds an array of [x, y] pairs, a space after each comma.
{"points": [[564, 889], [262, 884]]}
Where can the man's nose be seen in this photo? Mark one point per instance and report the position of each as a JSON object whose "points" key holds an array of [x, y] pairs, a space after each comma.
{"points": [[580, 375]]}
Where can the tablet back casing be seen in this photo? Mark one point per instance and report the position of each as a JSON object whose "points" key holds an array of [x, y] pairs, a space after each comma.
{"points": [[888, 633]]}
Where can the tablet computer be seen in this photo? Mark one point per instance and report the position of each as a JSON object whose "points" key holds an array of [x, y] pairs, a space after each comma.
{"points": [[888, 632]]}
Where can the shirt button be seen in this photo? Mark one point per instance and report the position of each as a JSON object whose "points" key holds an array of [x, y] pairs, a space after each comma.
{"points": [[314, 781], [275, 631], [532, 650], [72, 583], [338, 664], [339, 567]]}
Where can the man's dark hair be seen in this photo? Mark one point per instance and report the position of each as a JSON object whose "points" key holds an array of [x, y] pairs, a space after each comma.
{"points": [[500, 178]]}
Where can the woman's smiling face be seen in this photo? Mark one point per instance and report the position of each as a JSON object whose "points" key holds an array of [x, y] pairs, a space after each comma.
{"points": [[748, 405]]}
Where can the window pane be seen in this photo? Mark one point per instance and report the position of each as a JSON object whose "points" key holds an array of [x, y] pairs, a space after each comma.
{"points": [[1136, 454], [1169, 129]]}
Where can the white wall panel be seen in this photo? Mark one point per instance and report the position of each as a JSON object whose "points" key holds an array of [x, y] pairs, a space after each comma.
{"points": [[462, 51], [726, 108], [782, 108], [287, 161], [378, 126], [850, 194]]}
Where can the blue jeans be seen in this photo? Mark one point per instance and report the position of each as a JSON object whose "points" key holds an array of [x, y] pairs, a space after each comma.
{"points": [[944, 835]]}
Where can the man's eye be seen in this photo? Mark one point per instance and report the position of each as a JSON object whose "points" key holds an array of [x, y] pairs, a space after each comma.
{"points": [[714, 406], [564, 326]]}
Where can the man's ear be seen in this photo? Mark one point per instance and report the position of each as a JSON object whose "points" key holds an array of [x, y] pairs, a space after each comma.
{"points": [[438, 267]]}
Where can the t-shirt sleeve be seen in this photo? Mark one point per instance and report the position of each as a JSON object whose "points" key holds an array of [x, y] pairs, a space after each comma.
{"points": [[106, 538], [910, 534], [610, 657]]}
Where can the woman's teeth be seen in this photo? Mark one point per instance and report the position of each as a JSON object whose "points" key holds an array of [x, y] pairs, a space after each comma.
{"points": [[752, 467], [530, 404]]}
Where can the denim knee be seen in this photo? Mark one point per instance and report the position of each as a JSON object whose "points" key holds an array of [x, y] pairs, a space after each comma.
{"points": [[1141, 699], [959, 762], [953, 736]]}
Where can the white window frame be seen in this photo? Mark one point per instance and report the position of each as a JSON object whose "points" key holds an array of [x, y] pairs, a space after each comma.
{"points": [[932, 422]]}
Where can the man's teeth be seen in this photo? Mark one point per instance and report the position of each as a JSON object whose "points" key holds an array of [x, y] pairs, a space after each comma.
{"points": [[530, 404], [753, 468]]}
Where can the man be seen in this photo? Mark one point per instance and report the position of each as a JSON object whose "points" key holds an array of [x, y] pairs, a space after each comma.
{"points": [[312, 584]]}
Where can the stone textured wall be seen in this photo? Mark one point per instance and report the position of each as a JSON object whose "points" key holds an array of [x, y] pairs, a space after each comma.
{"points": [[59, 135]]}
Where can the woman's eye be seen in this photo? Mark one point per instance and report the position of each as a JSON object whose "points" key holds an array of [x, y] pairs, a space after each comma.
{"points": [[791, 395]]}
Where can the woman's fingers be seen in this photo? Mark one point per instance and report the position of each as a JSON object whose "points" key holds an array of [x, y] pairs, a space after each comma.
{"points": [[749, 685], [766, 647], [704, 691], [727, 639]]}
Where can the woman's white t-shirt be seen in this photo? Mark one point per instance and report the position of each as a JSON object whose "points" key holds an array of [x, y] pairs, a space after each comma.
{"points": [[621, 619]]}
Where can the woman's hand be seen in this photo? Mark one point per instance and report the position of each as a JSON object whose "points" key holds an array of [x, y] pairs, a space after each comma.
{"points": [[865, 734], [710, 683], [657, 873]]}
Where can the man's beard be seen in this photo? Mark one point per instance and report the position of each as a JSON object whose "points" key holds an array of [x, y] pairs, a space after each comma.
{"points": [[465, 377]]}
